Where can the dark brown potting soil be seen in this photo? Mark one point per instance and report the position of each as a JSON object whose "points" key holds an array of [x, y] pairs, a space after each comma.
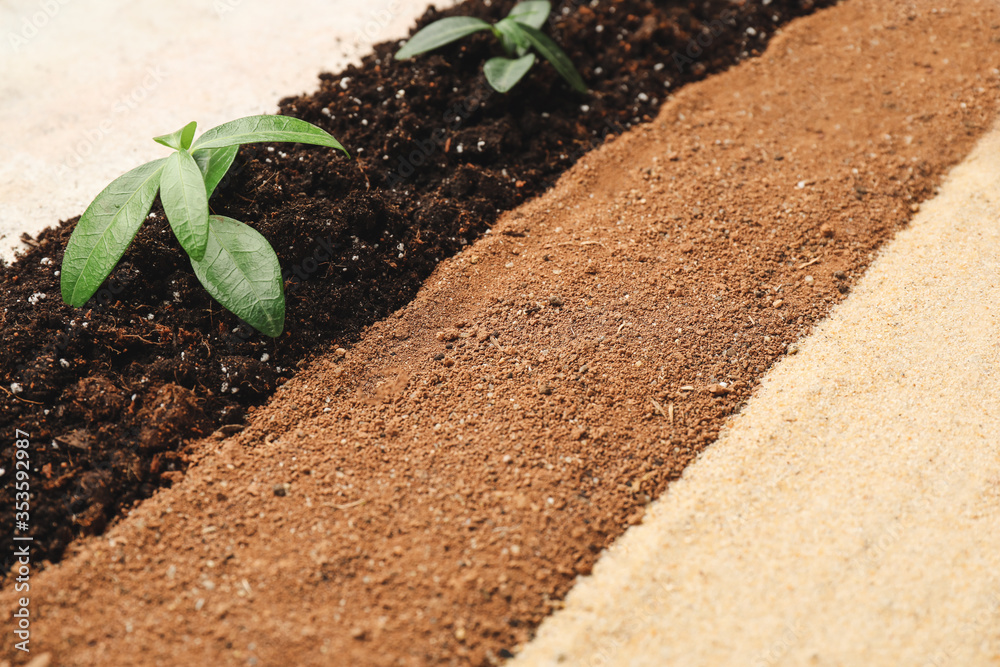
{"points": [[111, 392]]}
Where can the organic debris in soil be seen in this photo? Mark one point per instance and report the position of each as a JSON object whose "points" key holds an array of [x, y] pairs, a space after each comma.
{"points": [[110, 392]]}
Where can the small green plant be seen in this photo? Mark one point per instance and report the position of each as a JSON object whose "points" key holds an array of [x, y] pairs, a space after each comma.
{"points": [[519, 33], [233, 261]]}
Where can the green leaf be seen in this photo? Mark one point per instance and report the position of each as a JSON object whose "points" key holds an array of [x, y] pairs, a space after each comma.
{"points": [[185, 201], [253, 129], [510, 47], [440, 33], [504, 73], [551, 52], [179, 140], [515, 42], [214, 164], [532, 12], [105, 231], [241, 271]]}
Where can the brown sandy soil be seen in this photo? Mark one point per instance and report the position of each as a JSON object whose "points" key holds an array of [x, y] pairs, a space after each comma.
{"points": [[428, 496]]}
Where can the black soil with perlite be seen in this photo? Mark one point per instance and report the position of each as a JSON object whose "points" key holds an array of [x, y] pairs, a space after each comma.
{"points": [[110, 392]]}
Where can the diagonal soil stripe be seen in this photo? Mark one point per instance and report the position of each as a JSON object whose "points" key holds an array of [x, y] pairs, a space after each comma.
{"points": [[430, 495], [849, 515]]}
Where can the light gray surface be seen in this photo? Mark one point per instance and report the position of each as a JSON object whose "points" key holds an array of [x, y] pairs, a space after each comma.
{"points": [[85, 85]]}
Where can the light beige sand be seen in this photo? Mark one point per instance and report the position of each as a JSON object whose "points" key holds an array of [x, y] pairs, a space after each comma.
{"points": [[851, 515], [85, 85]]}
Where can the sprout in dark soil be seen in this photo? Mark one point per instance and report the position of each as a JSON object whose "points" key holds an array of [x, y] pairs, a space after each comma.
{"points": [[233, 261], [519, 33]]}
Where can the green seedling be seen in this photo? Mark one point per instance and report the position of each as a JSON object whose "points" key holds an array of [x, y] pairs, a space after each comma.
{"points": [[519, 34], [233, 261]]}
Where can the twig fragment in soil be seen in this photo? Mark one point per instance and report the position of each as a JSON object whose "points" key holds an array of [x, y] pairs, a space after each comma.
{"points": [[581, 243], [15, 396], [657, 407], [346, 506], [125, 335]]}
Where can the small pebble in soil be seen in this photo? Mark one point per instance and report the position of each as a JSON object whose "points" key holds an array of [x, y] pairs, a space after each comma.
{"points": [[281, 490], [839, 275], [556, 301]]}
